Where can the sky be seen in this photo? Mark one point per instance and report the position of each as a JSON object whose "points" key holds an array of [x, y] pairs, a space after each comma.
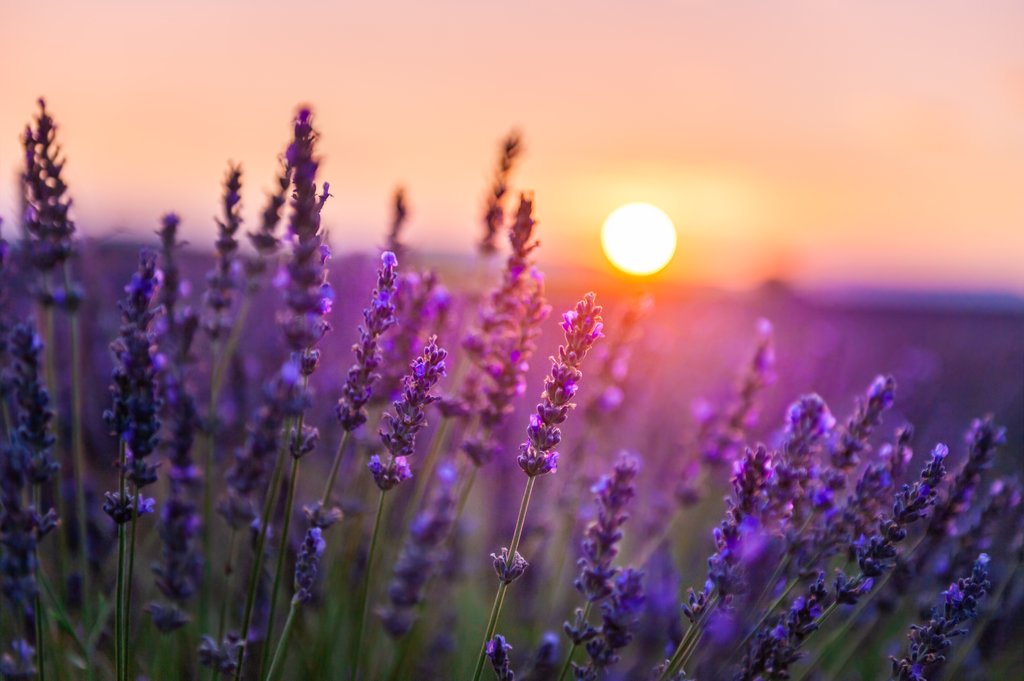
{"points": [[870, 143]]}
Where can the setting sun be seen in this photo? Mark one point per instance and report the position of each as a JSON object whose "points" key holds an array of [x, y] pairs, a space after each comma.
{"points": [[638, 238]]}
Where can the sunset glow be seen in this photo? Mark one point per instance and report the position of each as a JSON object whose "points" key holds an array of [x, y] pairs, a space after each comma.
{"points": [[639, 238]]}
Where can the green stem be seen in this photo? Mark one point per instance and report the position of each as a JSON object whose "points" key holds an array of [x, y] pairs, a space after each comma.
{"points": [[229, 570], [572, 648], [40, 643], [325, 498], [128, 583], [257, 563], [499, 597], [77, 446], [282, 552], [119, 653], [686, 646], [211, 415], [221, 362], [361, 624], [282, 645]]}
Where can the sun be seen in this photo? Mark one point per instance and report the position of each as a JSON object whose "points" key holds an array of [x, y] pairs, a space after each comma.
{"points": [[638, 238]]}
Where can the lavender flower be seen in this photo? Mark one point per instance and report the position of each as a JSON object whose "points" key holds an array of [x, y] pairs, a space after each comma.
{"points": [[420, 306], [852, 439], [18, 665], [808, 422], [777, 647], [49, 229], [983, 438], [308, 296], [862, 508], [875, 554], [308, 564], [134, 415], [420, 557], [494, 213], [505, 342], [34, 429], [401, 213], [722, 435], [222, 658], [618, 618], [178, 572], [928, 642], [738, 536], [378, 318], [582, 327], [601, 537], [25, 460], [265, 239], [497, 652], [223, 280], [398, 431], [250, 473], [613, 362]]}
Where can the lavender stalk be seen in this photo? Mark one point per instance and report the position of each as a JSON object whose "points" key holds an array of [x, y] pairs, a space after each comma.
{"points": [[582, 327]]}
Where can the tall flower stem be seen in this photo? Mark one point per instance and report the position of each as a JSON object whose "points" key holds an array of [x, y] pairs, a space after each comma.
{"points": [[40, 644], [499, 597], [364, 606], [128, 583], [682, 654], [77, 444], [228, 571], [222, 360], [282, 552], [119, 631], [282, 645], [333, 475], [572, 648], [257, 563]]}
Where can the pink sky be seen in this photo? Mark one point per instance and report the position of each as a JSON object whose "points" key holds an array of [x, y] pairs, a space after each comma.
{"points": [[870, 142]]}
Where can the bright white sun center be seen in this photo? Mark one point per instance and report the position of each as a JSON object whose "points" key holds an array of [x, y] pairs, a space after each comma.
{"points": [[638, 238]]}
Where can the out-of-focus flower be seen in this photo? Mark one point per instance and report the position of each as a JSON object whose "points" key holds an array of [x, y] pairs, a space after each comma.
{"points": [[420, 557], [494, 213]]}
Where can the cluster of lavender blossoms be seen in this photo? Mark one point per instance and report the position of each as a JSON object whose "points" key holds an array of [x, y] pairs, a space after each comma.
{"points": [[26, 464], [377, 319], [134, 416], [225, 278], [831, 539], [421, 556], [48, 228], [929, 641], [178, 573], [582, 327], [303, 279], [501, 348], [398, 431]]}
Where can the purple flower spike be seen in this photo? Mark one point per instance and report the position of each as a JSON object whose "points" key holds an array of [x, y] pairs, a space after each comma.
{"points": [[613, 493], [497, 652], [398, 432], [308, 564], [378, 318], [537, 455]]}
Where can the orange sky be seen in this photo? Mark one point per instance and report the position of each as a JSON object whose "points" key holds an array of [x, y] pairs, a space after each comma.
{"points": [[871, 142]]}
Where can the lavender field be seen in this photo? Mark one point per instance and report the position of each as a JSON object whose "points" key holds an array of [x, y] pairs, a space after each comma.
{"points": [[269, 457]]}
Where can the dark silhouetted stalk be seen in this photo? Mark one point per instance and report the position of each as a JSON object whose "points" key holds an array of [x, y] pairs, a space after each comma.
{"points": [[365, 595]]}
